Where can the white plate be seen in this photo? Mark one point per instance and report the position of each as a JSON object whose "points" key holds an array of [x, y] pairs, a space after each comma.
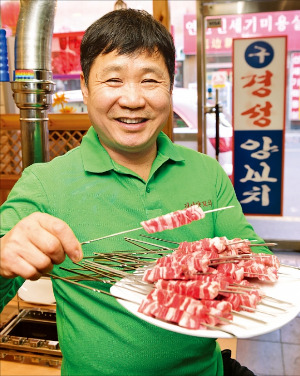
{"points": [[287, 289], [37, 292]]}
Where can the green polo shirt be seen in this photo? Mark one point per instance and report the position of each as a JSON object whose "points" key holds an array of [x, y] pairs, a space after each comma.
{"points": [[97, 197]]}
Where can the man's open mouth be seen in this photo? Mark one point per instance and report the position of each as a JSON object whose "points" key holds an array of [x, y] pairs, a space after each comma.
{"points": [[132, 121]]}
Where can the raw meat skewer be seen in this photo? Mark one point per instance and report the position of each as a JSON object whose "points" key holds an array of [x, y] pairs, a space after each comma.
{"points": [[192, 216]]}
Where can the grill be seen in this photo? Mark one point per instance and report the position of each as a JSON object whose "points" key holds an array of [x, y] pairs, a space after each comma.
{"points": [[31, 336]]}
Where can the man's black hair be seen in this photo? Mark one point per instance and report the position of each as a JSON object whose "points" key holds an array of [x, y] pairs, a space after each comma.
{"points": [[126, 31]]}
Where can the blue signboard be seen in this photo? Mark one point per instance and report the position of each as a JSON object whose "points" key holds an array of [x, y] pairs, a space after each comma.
{"points": [[259, 71], [258, 172]]}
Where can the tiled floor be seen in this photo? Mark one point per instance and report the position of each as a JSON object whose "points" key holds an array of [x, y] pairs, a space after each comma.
{"points": [[276, 353]]}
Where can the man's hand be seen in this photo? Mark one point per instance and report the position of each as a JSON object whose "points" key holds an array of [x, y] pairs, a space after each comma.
{"points": [[36, 243]]}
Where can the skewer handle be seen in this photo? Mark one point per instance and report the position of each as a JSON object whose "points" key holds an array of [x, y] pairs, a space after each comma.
{"points": [[109, 236], [218, 209], [263, 244]]}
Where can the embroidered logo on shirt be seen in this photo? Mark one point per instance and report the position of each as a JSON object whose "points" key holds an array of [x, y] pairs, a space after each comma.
{"points": [[202, 204]]}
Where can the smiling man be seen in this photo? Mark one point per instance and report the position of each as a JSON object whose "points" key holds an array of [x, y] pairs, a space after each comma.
{"points": [[128, 98], [124, 172]]}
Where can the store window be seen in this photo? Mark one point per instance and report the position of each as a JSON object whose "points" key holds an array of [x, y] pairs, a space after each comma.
{"points": [[70, 22], [219, 77]]}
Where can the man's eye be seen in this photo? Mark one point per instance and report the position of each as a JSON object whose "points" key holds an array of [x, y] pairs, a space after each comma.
{"points": [[113, 81], [150, 80]]}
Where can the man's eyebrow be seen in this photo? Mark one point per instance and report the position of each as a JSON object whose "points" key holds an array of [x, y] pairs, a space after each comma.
{"points": [[112, 68], [155, 70], [119, 67]]}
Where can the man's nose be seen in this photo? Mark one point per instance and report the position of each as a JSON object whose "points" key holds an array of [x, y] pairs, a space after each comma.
{"points": [[132, 96]]}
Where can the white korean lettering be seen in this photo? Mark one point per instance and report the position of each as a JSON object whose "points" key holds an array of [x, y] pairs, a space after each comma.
{"points": [[228, 42], [261, 53], [266, 150], [191, 27], [216, 43], [236, 25], [266, 23], [250, 24], [253, 175], [296, 23], [253, 195], [281, 23]]}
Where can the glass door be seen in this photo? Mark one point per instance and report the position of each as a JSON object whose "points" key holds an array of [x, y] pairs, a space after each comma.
{"points": [[218, 25]]}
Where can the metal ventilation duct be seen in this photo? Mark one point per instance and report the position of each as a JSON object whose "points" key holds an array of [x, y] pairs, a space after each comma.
{"points": [[33, 86]]}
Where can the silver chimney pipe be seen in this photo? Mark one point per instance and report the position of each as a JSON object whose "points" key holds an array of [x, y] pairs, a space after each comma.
{"points": [[33, 86]]}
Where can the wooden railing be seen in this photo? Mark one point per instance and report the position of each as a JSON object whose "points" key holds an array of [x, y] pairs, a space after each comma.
{"points": [[65, 133]]}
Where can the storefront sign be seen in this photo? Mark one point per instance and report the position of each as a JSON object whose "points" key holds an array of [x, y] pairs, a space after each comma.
{"points": [[190, 34], [259, 85], [219, 79], [294, 100], [219, 40]]}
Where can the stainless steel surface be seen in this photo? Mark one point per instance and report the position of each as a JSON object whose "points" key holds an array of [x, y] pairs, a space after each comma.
{"points": [[31, 335], [34, 34], [33, 92], [33, 98], [34, 139]]}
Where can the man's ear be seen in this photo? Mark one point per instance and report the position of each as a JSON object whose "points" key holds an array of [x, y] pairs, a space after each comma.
{"points": [[84, 89]]}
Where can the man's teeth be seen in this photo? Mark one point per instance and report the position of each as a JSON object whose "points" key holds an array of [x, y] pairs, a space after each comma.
{"points": [[131, 121]]}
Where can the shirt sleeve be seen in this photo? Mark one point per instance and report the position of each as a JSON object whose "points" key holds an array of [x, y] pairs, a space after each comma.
{"points": [[25, 198], [8, 289]]}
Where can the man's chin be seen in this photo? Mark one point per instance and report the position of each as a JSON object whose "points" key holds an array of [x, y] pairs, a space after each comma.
{"points": [[136, 148]]}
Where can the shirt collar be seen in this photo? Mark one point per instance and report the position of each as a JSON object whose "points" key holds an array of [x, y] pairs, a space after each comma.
{"points": [[96, 159], [166, 148]]}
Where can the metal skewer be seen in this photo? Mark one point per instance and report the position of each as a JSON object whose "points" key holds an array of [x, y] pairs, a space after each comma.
{"points": [[272, 306], [162, 240], [114, 274], [137, 241], [111, 235], [140, 228], [257, 310], [90, 288], [263, 245], [290, 266], [236, 313], [133, 301], [76, 283]]}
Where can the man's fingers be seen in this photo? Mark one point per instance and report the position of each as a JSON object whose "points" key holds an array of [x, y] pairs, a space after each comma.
{"points": [[63, 241], [42, 262], [41, 247], [21, 267], [68, 240], [36, 243]]}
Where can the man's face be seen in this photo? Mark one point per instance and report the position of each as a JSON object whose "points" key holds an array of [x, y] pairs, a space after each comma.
{"points": [[128, 100]]}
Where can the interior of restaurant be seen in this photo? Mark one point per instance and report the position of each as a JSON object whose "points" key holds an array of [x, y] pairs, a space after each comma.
{"points": [[206, 33]]}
